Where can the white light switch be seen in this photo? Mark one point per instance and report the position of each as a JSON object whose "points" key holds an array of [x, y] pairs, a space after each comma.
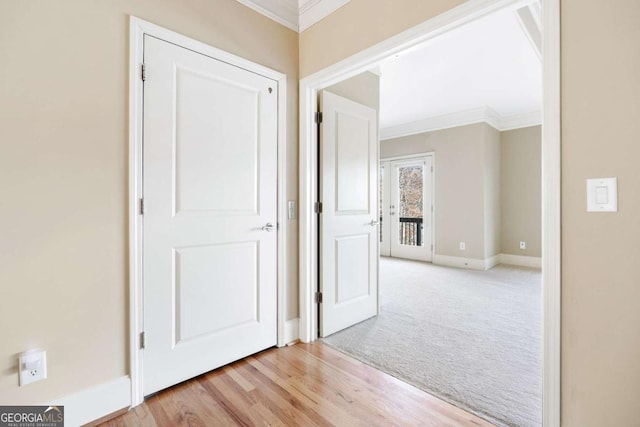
{"points": [[291, 209], [602, 195]]}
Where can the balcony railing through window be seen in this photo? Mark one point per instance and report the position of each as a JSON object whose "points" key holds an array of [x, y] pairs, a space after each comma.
{"points": [[410, 232]]}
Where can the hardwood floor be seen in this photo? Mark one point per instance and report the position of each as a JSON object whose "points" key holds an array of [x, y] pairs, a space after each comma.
{"points": [[300, 385]]}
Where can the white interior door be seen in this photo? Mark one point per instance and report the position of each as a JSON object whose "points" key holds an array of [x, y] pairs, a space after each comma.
{"points": [[348, 223], [210, 144], [411, 208]]}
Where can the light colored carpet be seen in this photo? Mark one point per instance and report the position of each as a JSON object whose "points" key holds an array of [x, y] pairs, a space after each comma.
{"points": [[472, 338]]}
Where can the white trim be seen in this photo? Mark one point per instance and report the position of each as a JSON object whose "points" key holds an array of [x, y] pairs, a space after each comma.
{"points": [[283, 278], [136, 33], [531, 28], [291, 331], [520, 121], [491, 262], [284, 12], [312, 11], [408, 156], [460, 262], [521, 260], [376, 71], [463, 118], [551, 218], [138, 28], [96, 402], [295, 15], [466, 12], [308, 224]]}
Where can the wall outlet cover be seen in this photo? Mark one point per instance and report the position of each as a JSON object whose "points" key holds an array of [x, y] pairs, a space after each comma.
{"points": [[32, 366]]}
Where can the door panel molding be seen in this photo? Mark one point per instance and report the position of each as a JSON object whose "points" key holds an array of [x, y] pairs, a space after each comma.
{"points": [[369, 58], [138, 29]]}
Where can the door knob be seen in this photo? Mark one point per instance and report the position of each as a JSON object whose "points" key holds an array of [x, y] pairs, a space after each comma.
{"points": [[373, 223], [268, 227]]}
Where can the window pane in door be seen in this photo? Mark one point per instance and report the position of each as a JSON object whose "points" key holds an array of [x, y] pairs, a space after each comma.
{"points": [[410, 186]]}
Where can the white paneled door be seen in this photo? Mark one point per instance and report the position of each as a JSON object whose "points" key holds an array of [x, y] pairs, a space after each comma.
{"points": [[349, 218], [210, 173]]}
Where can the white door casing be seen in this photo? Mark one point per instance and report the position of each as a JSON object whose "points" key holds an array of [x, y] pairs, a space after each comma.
{"points": [[384, 208], [348, 223], [411, 251], [210, 186]]}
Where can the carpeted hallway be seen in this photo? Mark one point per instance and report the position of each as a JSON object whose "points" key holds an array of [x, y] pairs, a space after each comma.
{"points": [[472, 338]]}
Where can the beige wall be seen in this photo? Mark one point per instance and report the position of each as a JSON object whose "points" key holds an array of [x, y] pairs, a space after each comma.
{"points": [[600, 251], [510, 169], [63, 174], [600, 134], [466, 160], [363, 89], [360, 24], [521, 191]]}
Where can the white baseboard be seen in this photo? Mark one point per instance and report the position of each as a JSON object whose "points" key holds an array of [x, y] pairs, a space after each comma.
{"points": [[291, 330], [487, 263], [454, 261], [491, 262], [520, 260], [96, 402]]}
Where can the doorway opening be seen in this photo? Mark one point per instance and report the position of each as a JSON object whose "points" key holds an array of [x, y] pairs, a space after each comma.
{"points": [[550, 137]]}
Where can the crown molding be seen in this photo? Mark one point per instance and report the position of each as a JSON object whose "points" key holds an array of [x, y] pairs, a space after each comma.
{"points": [[462, 118], [312, 11], [284, 12], [529, 19], [297, 15], [519, 121]]}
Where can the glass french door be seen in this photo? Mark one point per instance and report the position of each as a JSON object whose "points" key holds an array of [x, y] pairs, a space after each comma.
{"points": [[406, 208]]}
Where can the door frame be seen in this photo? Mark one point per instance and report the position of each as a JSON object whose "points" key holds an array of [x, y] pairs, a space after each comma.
{"points": [[551, 167], [138, 28], [417, 156]]}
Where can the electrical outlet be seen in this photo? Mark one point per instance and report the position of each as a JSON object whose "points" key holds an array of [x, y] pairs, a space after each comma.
{"points": [[523, 245], [463, 246], [32, 366]]}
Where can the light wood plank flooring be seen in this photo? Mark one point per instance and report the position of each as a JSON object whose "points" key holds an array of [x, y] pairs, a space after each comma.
{"points": [[300, 385]]}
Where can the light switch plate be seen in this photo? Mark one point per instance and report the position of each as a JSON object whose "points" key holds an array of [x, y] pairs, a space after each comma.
{"points": [[291, 209], [602, 195]]}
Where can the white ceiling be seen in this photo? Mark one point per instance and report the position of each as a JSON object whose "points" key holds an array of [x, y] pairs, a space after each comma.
{"points": [[295, 14], [488, 70]]}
